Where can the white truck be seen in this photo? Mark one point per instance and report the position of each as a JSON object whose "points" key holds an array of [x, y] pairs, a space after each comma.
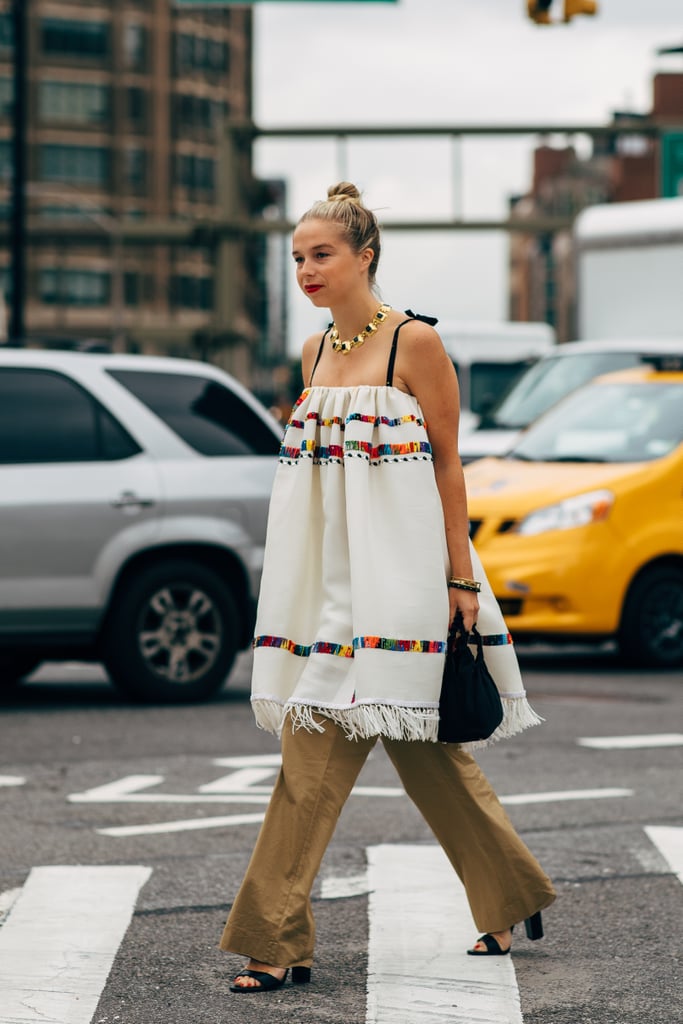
{"points": [[629, 266]]}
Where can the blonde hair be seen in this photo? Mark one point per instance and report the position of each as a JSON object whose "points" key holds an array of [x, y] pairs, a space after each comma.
{"points": [[344, 207]]}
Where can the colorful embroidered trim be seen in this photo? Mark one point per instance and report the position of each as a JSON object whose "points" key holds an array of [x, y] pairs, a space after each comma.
{"points": [[496, 639], [383, 643], [339, 421], [303, 650], [336, 451], [377, 643]]}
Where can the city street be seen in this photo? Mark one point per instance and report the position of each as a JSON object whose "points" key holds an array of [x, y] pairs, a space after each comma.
{"points": [[165, 803]]}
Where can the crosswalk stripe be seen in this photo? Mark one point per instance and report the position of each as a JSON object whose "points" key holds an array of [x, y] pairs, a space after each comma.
{"points": [[669, 842], [60, 939], [188, 825], [12, 780], [420, 928], [660, 739]]}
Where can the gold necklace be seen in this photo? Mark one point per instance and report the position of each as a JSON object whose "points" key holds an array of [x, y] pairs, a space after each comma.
{"points": [[358, 339]]}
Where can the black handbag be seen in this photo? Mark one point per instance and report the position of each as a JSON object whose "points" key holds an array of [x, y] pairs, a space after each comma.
{"points": [[470, 707]]}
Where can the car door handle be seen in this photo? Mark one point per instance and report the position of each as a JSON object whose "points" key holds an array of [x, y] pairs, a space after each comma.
{"points": [[129, 499]]}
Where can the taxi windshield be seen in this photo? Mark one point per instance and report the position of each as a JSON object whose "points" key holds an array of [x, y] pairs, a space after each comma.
{"points": [[611, 422]]}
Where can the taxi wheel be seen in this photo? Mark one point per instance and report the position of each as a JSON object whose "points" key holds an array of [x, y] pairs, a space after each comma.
{"points": [[651, 631]]}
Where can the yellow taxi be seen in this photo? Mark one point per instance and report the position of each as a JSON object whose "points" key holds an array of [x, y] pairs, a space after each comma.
{"points": [[580, 525]]}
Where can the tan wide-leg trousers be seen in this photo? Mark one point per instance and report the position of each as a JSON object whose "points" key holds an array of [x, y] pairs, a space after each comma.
{"points": [[271, 919]]}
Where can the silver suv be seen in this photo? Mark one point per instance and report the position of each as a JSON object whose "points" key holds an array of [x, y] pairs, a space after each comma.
{"points": [[133, 502]]}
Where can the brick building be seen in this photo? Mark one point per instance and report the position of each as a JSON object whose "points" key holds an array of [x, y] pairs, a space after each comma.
{"points": [[620, 168], [127, 100]]}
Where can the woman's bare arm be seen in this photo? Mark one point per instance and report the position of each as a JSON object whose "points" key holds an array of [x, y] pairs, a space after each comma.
{"points": [[427, 371]]}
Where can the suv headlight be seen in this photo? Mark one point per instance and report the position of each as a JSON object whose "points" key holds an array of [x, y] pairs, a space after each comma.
{"points": [[592, 507]]}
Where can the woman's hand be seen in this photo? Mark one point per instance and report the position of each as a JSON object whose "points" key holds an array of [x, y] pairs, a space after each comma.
{"points": [[467, 603]]}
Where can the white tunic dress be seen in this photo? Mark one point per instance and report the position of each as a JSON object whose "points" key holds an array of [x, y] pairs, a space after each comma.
{"points": [[352, 618]]}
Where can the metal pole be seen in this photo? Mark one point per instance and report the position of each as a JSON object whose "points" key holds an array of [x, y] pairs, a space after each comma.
{"points": [[18, 213]]}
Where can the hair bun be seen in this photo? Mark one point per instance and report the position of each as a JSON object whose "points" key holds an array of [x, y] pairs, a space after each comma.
{"points": [[344, 190]]}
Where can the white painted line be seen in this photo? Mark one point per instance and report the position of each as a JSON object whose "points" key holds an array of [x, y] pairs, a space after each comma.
{"points": [[12, 780], [420, 928], [59, 942], [566, 794], [249, 761], [192, 825], [238, 781], [669, 842], [662, 739], [7, 900], [335, 888], [114, 791]]}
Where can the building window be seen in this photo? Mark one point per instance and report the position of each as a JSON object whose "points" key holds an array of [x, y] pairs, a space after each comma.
{"points": [[198, 112], [6, 168], [131, 288], [135, 46], [74, 287], [86, 165], [199, 53], [6, 32], [191, 292], [6, 97], [135, 169], [195, 172], [73, 101], [136, 105], [75, 38]]}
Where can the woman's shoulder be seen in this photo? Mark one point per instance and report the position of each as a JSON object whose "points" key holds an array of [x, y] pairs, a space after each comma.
{"points": [[419, 330]]}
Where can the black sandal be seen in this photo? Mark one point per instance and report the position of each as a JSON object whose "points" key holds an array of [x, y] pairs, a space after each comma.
{"points": [[492, 947], [266, 982], [534, 930]]}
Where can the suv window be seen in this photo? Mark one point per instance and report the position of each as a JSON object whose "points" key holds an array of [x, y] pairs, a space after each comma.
{"points": [[551, 379], [45, 417], [205, 414]]}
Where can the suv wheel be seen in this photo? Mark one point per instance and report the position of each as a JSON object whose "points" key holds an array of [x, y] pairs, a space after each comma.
{"points": [[171, 635], [13, 667], [651, 631]]}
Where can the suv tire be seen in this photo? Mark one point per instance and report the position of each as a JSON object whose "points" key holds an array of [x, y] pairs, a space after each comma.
{"points": [[171, 634], [651, 630]]}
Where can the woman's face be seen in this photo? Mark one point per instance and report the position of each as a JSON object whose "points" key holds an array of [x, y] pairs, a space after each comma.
{"points": [[327, 268]]}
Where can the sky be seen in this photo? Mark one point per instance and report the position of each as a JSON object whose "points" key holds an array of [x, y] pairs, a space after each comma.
{"points": [[440, 63]]}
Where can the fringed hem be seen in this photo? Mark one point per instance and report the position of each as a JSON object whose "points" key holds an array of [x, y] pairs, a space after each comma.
{"points": [[394, 721]]}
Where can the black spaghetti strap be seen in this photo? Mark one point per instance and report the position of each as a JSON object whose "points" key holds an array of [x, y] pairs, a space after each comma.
{"points": [[317, 358], [431, 320]]}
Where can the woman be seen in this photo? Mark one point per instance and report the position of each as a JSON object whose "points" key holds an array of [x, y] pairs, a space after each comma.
{"points": [[367, 562]]}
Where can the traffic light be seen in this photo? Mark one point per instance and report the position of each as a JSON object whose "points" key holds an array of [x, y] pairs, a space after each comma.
{"points": [[574, 7], [538, 11]]}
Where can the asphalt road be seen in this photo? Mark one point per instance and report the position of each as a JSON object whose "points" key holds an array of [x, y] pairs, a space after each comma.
{"points": [[613, 939]]}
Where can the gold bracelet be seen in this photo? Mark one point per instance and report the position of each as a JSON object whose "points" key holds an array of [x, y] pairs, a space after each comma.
{"points": [[459, 583]]}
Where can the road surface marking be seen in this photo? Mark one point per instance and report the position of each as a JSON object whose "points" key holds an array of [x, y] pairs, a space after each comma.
{"points": [[12, 780], [565, 794], [59, 941], [241, 788], [420, 928], [662, 739], [193, 824], [342, 887], [127, 791], [7, 900], [669, 842]]}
